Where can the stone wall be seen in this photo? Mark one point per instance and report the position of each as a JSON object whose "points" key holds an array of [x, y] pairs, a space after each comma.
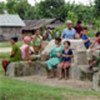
{"points": [[25, 69]]}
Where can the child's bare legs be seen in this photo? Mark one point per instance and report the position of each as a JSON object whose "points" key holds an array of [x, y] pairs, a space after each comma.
{"points": [[66, 70], [60, 70]]}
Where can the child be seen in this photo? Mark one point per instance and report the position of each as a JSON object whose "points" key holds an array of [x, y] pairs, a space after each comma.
{"points": [[95, 50], [15, 54], [67, 54], [25, 49], [96, 45], [55, 59], [36, 41], [85, 38]]}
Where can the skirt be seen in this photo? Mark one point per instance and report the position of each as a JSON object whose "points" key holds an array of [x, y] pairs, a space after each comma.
{"points": [[64, 65]]}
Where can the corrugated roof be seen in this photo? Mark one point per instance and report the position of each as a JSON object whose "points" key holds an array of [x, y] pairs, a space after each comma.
{"points": [[11, 20]]}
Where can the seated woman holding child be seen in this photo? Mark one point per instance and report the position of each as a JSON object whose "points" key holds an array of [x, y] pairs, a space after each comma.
{"points": [[15, 54]]}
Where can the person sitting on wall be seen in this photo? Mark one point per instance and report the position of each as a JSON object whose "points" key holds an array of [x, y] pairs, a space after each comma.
{"points": [[25, 49], [85, 38], [15, 54], [36, 41], [95, 52], [54, 60], [96, 44], [67, 55], [69, 32]]}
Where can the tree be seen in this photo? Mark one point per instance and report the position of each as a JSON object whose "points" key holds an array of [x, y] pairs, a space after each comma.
{"points": [[51, 8], [97, 7], [2, 7], [20, 7]]}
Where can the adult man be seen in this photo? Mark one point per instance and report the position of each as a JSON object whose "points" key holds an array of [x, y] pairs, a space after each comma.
{"points": [[69, 32]]}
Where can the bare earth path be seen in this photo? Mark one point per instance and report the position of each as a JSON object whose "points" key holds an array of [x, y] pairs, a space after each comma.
{"points": [[85, 85], [5, 50]]}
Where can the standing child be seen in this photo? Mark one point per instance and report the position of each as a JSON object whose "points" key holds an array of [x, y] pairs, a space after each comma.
{"points": [[85, 38], [67, 54], [15, 54], [36, 41]]}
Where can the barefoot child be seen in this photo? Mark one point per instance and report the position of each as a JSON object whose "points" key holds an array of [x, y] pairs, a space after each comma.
{"points": [[15, 54], [67, 54]]}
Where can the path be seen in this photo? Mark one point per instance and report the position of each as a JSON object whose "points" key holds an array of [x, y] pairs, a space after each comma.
{"points": [[85, 85], [5, 50]]}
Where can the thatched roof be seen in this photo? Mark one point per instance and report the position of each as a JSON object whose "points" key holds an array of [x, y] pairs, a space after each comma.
{"points": [[33, 24], [11, 20]]}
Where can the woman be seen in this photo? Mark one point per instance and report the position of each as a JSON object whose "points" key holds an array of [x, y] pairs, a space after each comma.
{"points": [[36, 41], [15, 54], [25, 49], [55, 59]]}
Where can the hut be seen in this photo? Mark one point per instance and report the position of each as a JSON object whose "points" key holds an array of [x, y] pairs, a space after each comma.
{"points": [[10, 25], [31, 25]]}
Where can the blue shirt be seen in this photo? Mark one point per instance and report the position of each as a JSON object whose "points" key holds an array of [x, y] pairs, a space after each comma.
{"points": [[69, 52], [69, 33], [88, 43]]}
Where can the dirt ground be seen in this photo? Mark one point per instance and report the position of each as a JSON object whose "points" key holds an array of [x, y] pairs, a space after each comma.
{"points": [[85, 85]]}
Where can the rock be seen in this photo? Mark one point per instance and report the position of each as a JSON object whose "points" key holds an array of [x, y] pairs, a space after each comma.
{"points": [[96, 81], [80, 68], [75, 45], [80, 57], [90, 54], [80, 72], [26, 69]]}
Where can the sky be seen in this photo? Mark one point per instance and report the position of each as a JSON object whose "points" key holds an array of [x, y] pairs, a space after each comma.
{"points": [[85, 2]]}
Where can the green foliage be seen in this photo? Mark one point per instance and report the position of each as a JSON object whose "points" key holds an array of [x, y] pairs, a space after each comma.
{"points": [[72, 16], [11, 89], [2, 7], [97, 23], [97, 7], [53, 9]]}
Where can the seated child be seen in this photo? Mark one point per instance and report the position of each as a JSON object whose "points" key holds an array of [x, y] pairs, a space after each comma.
{"points": [[15, 54], [54, 59], [96, 45], [95, 50], [67, 54], [25, 49], [85, 38]]}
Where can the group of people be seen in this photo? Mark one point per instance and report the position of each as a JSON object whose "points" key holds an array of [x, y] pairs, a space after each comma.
{"points": [[31, 46], [60, 55]]}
